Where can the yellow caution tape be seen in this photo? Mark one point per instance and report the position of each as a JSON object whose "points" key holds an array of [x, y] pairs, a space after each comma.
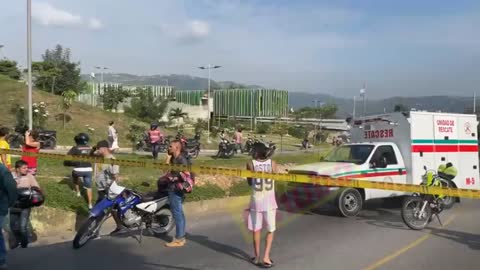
{"points": [[296, 178]]}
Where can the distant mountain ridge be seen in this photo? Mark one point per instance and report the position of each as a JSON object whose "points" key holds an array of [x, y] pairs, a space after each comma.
{"points": [[454, 104], [180, 82]]}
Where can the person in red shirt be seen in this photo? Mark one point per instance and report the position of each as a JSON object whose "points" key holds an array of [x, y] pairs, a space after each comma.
{"points": [[156, 137], [32, 145]]}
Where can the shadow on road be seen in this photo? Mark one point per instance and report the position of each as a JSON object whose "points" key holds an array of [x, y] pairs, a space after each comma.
{"points": [[106, 253], [468, 239], [219, 247]]}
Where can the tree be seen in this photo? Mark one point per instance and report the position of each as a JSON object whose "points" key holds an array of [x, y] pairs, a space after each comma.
{"points": [[9, 69], [282, 130], [57, 73], [145, 107], [400, 108], [176, 114], [112, 96], [326, 111], [66, 103]]}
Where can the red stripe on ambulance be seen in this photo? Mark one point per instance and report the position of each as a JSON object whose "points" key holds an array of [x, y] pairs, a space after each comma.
{"points": [[444, 148]]}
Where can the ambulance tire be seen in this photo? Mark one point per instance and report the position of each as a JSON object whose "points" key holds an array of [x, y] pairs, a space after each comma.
{"points": [[349, 202]]}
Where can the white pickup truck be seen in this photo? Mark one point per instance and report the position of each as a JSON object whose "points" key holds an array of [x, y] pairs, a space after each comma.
{"points": [[396, 148]]}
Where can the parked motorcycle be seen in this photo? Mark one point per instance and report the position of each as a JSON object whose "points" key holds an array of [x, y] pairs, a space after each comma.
{"points": [[145, 145], [135, 211], [191, 147], [226, 149], [418, 210], [271, 149], [47, 138], [248, 146]]}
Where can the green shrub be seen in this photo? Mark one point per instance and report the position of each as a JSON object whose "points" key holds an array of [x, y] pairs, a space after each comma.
{"points": [[240, 188], [298, 131], [263, 128]]}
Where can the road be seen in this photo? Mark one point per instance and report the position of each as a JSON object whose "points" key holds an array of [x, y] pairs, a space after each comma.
{"points": [[376, 239]]}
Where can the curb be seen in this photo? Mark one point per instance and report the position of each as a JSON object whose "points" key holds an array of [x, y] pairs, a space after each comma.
{"points": [[54, 225]]}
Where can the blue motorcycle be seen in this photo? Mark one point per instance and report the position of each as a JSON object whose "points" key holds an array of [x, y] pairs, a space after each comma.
{"points": [[135, 211]]}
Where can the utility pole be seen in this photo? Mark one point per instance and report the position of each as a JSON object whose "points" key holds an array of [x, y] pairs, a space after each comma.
{"points": [[29, 62], [209, 67]]}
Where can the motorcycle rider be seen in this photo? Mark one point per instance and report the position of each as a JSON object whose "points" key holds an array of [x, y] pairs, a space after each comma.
{"points": [[81, 169], [238, 140], [156, 137], [106, 175]]}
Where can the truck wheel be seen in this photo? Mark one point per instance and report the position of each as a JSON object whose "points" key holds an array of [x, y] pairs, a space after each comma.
{"points": [[349, 202]]}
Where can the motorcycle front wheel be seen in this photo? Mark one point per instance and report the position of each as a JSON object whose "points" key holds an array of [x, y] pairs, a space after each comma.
{"points": [[412, 215], [87, 231]]}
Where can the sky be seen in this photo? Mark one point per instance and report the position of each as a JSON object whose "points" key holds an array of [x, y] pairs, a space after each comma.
{"points": [[398, 48]]}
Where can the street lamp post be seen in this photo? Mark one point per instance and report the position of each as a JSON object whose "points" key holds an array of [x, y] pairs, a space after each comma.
{"points": [[209, 67], [1, 54], [363, 94], [29, 62], [101, 72]]}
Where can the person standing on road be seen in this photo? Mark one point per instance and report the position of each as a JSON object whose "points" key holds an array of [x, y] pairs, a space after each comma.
{"points": [[32, 145], [8, 196], [20, 217], [112, 137], [5, 159], [156, 137], [81, 169], [176, 196], [263, 205]]}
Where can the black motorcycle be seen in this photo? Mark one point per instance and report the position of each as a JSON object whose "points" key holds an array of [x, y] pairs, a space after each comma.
{"points": [[248, 148], [192, 147], [146, 145], [271, 149], [47, 138], [226, 149]]}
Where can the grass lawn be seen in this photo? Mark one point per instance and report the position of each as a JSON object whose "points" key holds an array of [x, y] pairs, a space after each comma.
{"points": [[55, 179]]}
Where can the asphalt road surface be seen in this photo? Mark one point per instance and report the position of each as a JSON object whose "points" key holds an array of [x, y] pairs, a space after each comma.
{"points": [[376, 239]]}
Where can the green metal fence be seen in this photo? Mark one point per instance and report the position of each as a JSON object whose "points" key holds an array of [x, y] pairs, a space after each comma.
{"points": [[190, 97], [250, 102]]}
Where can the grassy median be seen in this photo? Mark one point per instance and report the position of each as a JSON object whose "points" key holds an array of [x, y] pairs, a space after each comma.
{"points": [[55, 179]]}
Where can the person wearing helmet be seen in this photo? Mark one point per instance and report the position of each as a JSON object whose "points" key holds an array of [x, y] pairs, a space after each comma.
{"points": [[263, 204], [156, 137], [81, 169]]}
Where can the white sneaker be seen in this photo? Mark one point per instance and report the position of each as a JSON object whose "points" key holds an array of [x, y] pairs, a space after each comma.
{"points": [[90, 207], [78, 194]]}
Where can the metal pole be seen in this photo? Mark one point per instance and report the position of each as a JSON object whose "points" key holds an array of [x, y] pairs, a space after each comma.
{"points": [[208, 107], [364, 107], [474, 102], [29, 60], [354, 105]]}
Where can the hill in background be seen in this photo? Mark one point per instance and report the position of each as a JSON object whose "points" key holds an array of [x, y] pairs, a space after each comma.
{"points": [[14, 92], [299, 99]]}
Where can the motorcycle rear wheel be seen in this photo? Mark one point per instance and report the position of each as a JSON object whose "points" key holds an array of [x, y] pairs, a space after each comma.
{"points": [[163, 222], [86, 232], [411, 216]]}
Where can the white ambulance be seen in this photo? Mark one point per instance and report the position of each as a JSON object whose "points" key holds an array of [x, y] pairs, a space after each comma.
{"points": [[396, 148]]}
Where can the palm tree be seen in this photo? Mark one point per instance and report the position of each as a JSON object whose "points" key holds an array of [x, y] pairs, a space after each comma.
{"points": [[176, 114]]}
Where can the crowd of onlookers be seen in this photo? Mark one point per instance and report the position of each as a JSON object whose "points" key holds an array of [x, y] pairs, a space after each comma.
{"points": [[261, 210]]}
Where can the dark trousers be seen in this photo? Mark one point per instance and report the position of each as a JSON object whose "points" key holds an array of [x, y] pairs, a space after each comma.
{"points": [[19, 220], [155, 150]]}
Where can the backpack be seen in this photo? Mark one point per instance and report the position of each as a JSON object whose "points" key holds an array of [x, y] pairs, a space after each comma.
{"points": [[186, 183]]}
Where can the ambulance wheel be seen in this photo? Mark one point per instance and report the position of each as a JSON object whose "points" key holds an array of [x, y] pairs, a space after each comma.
{"points": [[349, 202]]}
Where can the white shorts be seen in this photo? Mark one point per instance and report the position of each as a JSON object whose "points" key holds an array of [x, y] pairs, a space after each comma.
{"points": [[256, 220]]}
